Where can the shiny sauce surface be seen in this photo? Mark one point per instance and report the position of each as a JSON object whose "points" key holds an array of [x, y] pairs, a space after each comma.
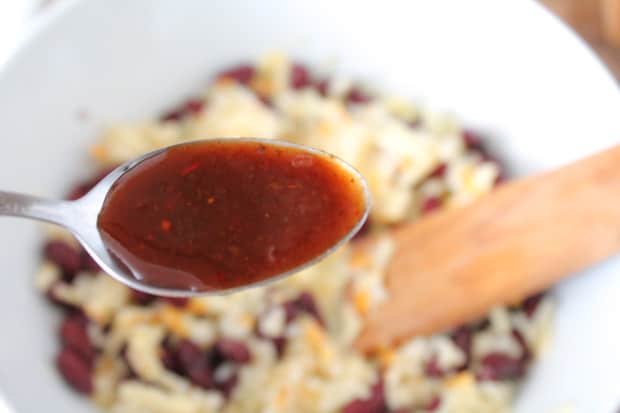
{"points": [[215, 215]]}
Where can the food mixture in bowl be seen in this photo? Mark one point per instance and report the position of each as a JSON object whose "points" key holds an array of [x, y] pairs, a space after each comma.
{"points": [[288, 347]]}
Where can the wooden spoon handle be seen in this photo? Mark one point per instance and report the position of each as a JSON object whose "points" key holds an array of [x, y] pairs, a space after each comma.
{"points": [[610, 14], [456, 264]]}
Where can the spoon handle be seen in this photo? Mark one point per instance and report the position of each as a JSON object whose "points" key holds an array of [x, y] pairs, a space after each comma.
{"points": [[455, 265], [28, 206]]}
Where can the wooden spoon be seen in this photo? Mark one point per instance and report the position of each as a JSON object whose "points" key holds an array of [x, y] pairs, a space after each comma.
{"points": [[456, 264]]}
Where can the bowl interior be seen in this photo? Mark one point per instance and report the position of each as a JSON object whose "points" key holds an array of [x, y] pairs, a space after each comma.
{"points": [[508, 69]]}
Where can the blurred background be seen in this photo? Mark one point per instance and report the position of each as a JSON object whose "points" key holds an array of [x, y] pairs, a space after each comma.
{"points": [[597, 21]]}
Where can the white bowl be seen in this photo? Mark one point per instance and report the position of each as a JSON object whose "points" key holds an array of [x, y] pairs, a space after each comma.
{"points": [[507, 68]]}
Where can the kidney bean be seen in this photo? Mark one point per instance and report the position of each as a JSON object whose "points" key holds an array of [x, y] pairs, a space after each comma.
{"points": [[233, 350], [439, 171], [462, 337], [74, 335], [201, 375], [356, 96], [279, 343], [87, 263], [75, 370], [242, 74], [189, 353], [299, 77], [471, 139], [432, 369], [500, 366], [304, 303], [433, 404], [322, 86], [530, 305], [195, 364], [63, 255], [430, 204], [189, 107]]}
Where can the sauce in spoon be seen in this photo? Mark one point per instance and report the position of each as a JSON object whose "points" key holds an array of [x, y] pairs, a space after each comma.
{"points": [[216, 215]]}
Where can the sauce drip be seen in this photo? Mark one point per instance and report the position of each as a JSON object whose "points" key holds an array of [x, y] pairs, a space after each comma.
{"points": [[215, 215]]}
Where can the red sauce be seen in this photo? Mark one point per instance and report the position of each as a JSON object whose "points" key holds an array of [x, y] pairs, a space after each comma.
{"points": [[215, 215]]}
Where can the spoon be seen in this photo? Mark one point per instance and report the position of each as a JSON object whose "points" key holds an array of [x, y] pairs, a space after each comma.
{"points": [[86, 217], [454, 265]]}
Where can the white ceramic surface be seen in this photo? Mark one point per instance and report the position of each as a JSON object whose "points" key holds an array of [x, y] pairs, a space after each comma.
{"points": [[506, 67]]}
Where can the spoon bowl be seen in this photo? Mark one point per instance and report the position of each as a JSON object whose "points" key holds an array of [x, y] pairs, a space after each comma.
{"points": [[81, 218]]}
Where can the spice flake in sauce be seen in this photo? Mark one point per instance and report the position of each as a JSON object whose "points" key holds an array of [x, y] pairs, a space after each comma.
{"points": [[215, 215]]}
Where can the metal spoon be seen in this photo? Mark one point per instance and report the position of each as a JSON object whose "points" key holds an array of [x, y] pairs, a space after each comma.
{"points": [[80, 217]]}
